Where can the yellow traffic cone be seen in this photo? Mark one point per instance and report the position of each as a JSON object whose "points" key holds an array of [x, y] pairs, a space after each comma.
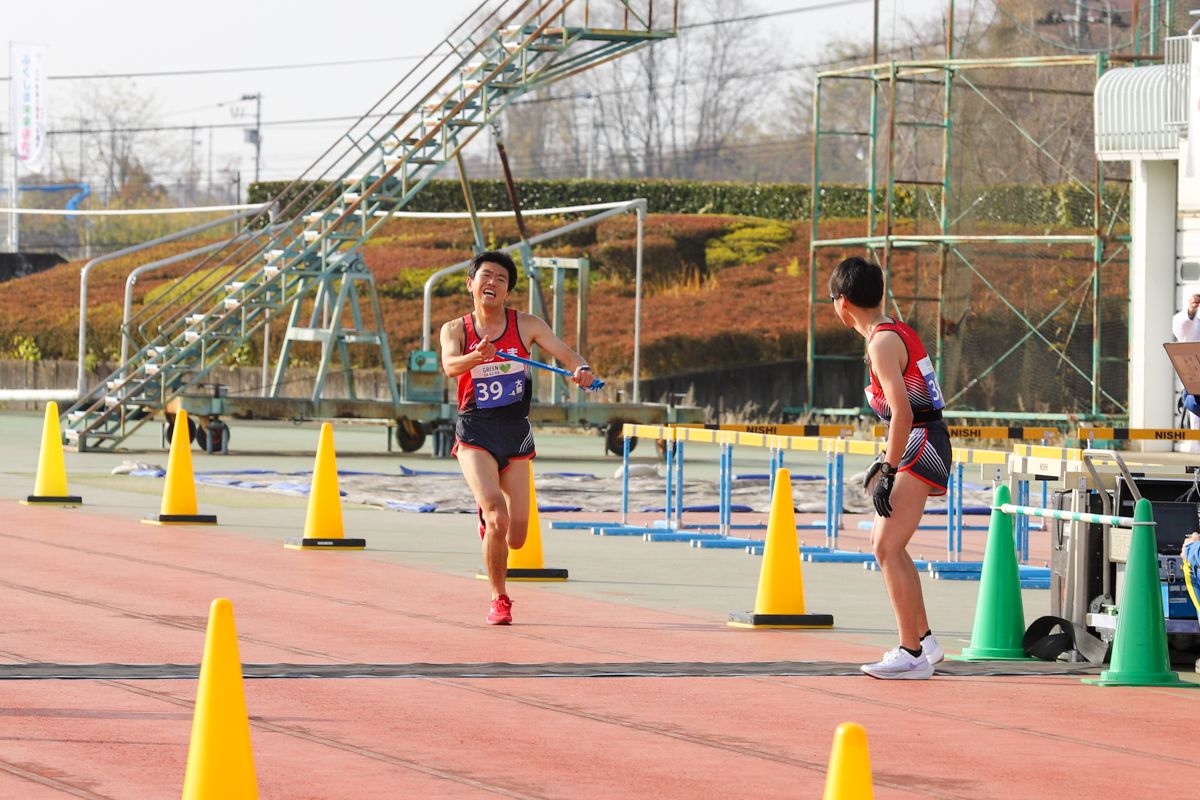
{"points": [[323, 523], [50, 486], [527, 563], [220, 761], [849, 776], [780, 599], [179, 493]]}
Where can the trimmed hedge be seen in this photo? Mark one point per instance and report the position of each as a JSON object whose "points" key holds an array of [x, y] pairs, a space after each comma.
{"points": [[1065, 205]]}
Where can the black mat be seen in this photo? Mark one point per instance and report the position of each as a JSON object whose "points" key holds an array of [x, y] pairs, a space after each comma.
{"points": [[639, 669]]}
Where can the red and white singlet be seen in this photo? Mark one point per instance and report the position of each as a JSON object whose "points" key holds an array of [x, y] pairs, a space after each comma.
{"points": [[495, 388]]}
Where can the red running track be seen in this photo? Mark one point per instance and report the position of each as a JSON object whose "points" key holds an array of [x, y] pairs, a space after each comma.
{"points": [[80, 589]]}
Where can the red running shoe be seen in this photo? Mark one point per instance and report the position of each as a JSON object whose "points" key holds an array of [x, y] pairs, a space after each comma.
{"points": [[482, 527], [501, 611]]}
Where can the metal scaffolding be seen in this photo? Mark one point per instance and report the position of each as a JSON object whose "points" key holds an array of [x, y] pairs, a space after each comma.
{"points": [[950, 244]]}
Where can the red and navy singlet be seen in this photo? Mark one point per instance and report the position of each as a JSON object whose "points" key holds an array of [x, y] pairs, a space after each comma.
{"points": [[920, 379], [496, 389], [927, 454]]}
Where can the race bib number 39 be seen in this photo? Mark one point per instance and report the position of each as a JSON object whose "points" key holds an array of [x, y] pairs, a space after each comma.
{"points": [[925, 366], [499, 383]]}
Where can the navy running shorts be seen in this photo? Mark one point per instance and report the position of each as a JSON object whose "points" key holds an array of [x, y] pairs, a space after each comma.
{"points": [[506, 439], [927, 456]]}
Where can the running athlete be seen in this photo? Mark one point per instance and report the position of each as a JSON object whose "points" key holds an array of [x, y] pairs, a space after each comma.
{"points": [[494, 439], [915, 463]]}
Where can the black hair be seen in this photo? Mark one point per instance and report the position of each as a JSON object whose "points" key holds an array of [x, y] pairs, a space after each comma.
{"points": [[859, 280], [494, 257]]}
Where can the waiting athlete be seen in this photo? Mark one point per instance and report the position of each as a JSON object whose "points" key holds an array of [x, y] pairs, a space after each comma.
{"points": [[494, 438], [915, 463]]}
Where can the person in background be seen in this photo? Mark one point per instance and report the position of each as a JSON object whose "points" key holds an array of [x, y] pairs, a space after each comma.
{"points": [[1191, 568], [1186, 327]]}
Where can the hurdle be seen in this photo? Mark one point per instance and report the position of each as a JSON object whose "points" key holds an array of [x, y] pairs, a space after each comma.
{"points": [[778, 439], [720, 534]]}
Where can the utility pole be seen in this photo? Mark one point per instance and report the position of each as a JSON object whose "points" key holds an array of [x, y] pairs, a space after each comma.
{"points": [[254, 135], [191, 176], [14, 219], [210, 184], [81, 123]]}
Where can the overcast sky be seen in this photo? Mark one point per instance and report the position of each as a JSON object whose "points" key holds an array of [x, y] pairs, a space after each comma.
{"points": [[91, 38]]}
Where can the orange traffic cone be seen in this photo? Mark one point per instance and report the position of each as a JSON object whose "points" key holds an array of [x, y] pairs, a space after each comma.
{"points": [[323, 523], [780, 599], [50, 486], [179, 493], [220, 762]]}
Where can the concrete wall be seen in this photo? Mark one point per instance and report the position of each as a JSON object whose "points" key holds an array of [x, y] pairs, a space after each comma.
{"points": [[368, 383], [760, 391]]}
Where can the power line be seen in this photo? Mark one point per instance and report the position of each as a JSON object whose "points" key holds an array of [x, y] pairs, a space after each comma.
{"points": [[385, 59], [795, 67], [200, 126], [355, 117], [175, 73]]}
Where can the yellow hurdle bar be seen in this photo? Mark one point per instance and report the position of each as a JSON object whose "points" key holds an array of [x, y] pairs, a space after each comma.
{"points": [[987, 432], [830, 431], [1054, 453], [810, 444], [1150, 434]]}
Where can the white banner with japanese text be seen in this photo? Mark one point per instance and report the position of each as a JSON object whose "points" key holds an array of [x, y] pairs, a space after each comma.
{"points": [[27, 103]]}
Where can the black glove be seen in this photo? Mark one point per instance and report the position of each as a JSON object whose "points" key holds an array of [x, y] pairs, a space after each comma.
{"points": [[869, 475], [882, 495]]}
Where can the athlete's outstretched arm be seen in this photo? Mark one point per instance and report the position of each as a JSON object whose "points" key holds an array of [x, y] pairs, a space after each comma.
{"points": [[539, 333]]}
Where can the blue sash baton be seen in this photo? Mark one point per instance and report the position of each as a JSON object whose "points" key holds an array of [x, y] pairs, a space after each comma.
{"points": [[596, 382]]}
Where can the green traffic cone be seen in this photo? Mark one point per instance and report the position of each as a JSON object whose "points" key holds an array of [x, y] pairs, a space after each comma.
{"points": [[1139, 655], [999, 615]]}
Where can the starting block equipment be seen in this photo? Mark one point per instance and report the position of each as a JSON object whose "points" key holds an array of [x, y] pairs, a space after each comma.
{"points": [[1090, 557]]}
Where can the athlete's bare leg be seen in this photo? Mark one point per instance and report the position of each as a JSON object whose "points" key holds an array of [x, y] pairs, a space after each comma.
{"points": [[483, 476], [514, 483], [889, 538]]}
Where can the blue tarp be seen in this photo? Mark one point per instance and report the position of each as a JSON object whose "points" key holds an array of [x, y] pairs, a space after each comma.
{"points": [[408, 472], [420, 508]]}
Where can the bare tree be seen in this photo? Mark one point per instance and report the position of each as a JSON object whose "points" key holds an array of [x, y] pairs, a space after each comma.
{"points": [[126, 154], [672, 109]]}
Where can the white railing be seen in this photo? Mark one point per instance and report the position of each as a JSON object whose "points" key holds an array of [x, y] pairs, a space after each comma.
{"points": [[1177, 55]]}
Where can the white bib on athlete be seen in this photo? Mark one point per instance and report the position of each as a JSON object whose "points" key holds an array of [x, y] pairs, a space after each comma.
{"points": [[498, 383]]}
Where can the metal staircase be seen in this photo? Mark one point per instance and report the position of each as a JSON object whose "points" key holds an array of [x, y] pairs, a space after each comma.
{"points": [[304, 250]]}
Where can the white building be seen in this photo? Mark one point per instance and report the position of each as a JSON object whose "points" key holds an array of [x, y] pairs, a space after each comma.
{"points": [[1144, 115]]}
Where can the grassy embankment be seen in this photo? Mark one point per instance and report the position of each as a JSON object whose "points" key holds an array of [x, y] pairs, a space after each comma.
{"points": [[720, 290]]}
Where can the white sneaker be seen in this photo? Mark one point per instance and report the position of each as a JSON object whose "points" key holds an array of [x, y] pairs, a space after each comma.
{"points": [[932, 650], [897, 664]]}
